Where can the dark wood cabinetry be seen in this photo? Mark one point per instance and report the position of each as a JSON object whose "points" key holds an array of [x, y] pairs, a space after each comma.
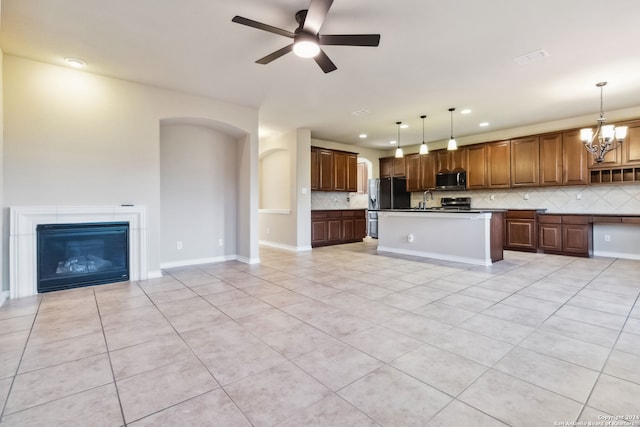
{"points": [[499, 164], [575, 159], [521, 230], [551, 159], [525, 162], [332, 227], [631, 145], [412, 170], [450, 160], [476, 166], [565, 234], [391, 166], [333, 170], [428, 172]]}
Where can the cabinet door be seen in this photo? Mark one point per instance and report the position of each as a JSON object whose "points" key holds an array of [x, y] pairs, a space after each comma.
{"points": [[428, 171], [339, 171], [334, 232], [315, 170], [611, 159], [576, 239], [525, 162], [476, 164], [631, 146], [362, 184], [412, 169], [352, 172], [319, 232], [360, 223], [442, 160], [458, 159], [574, 159], [386, 167], [325, 160], [551, 159], [398, 166], [550, 237], [520, 234], [348, 229], [499, 164]]}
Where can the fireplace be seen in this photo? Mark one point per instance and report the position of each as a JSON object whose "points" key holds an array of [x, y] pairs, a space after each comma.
{"points": [[23, 241], [76, 255]]}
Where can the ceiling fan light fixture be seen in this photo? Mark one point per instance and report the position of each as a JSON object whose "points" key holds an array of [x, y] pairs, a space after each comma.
{"points": [[306, 46]]}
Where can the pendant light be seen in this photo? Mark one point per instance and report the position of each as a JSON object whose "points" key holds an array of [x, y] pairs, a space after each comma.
{"points": [[399, 153], [423, 147], [452, 142]]}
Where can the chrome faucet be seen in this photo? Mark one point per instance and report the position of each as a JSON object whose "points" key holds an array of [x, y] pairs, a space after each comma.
{"points": [[425, 197]]}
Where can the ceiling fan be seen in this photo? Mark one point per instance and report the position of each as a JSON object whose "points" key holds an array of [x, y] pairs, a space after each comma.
{"points": [[306, 38]]}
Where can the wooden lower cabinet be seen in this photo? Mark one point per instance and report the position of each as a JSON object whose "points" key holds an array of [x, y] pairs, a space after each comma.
{"points": [[521, 232], [565, 234], [333, 227]]}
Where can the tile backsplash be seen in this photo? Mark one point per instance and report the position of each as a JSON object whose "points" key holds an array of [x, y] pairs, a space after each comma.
{"points": [[338, 200], [622, 199]]}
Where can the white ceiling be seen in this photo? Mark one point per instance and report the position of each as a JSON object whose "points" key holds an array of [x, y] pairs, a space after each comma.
{"points": [[433, 55]]}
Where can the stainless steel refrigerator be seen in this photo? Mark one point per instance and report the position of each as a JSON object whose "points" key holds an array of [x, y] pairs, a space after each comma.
{"points": [[386, 193]]}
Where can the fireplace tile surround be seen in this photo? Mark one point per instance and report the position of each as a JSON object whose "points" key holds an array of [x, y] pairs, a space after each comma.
{"points": [[23, 245]]}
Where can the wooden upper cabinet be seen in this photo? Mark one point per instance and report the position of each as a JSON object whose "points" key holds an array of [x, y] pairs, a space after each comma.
{"points": [[631, 145], [315, 169], [476, 166], [451, 160], [428, 171], [333, 170], [575, 159], [399, 167], [525, 162], [499, 164], [362, 180], [412, 170], [325, 162], [339, 171], [551, 159], [391, 166], [386, 167]]}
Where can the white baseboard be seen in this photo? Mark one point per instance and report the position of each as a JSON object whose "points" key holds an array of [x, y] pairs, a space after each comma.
{"points": [[621, 255], [197, 261], [4, 295], [443, 257], [284, 247], [154, 274], [247, 260]]}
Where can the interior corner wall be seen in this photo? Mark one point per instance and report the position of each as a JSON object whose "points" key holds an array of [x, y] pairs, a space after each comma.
{"points": [[4, 278], [76, 138], [302, 188], [198, 194]]}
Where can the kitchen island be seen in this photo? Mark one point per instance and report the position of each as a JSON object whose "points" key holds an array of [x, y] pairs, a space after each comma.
{"points": [[471, 236]]}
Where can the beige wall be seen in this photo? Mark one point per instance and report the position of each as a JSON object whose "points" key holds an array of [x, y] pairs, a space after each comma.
{"points": [[74, 138], [286, 224]]}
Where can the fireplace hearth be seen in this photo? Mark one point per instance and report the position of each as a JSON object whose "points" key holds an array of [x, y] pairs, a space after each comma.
{"points": [[84, 254]]}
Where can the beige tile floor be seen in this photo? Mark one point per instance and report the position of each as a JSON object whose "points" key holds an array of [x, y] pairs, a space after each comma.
{"points": [[339, 336]]}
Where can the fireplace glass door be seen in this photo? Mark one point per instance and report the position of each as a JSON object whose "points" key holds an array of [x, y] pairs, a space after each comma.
{"points": [[76, 255]]}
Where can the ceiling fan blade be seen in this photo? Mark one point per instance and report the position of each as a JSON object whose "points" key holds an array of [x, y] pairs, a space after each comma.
{"points": [[318, 10], [324, 62], [351, 40], [275, 55], [261, 26]]}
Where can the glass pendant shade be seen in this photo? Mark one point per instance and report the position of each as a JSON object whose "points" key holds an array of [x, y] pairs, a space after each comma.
{"points": [[452, 145], [424, 149], [399, 153]]}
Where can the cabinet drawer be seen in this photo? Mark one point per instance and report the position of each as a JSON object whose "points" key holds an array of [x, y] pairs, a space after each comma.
{"points": [[521, 214], [607, 219], [576, 219], [631, 220], [550, 219]]}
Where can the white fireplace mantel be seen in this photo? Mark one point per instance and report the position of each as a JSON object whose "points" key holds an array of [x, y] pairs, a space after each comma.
{"points": [[23, 238]]}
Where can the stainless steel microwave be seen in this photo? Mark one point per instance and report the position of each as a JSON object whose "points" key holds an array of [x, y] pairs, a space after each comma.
{"points": [[451, 180]]}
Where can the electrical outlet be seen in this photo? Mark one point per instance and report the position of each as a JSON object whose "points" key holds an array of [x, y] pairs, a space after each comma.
{"points": [[268, 230], [179, 245], [525, 197], [220, 242], [607, 237], [492, 197], [579, 196]]}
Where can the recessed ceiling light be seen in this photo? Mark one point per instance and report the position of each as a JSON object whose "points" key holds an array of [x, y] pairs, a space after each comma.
{"points": [[465, 111], [484, 124], [363, 135], [393, 142], [404, 126], [75, 62], [361, 112]]}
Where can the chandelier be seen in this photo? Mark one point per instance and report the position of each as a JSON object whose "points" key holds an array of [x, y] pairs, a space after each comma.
{"points": [[602, 141]]}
